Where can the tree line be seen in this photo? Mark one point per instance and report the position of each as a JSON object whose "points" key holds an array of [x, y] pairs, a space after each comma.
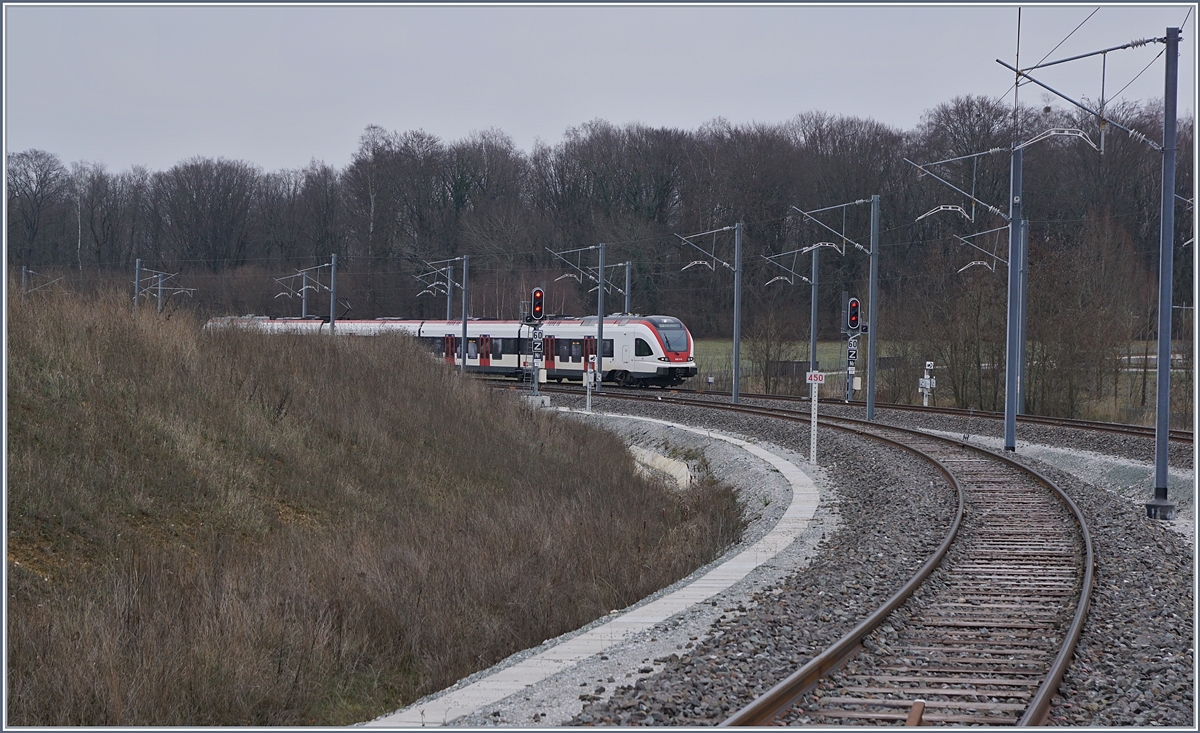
{"points": [[409, 198]]}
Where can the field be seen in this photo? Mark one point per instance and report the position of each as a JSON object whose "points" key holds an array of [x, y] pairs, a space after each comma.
{"points": [[714, 357], [1129, 394], [228, 529]]}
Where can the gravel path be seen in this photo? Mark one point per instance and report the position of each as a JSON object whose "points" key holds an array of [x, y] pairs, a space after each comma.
{"points": [[1134, 664]]}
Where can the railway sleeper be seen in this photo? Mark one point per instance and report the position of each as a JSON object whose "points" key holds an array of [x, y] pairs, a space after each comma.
{"points": [[947, 669], [993, 650], [926, 718], [969, 705], [974, 681], [944, 691]]}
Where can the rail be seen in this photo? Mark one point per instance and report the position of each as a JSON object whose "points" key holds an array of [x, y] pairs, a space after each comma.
{"points": [[786, 693], [1176, 435]]}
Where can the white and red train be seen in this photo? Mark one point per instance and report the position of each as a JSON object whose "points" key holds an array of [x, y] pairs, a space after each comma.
{"points": [[638, 350]]}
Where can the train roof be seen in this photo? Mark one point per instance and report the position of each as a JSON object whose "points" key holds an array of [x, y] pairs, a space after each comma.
{"points": [[470, 319]]}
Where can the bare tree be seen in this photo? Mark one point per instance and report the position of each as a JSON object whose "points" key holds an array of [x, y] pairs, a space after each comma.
{"points": [[37, 182], [206, 209], [770, 347], [321, 211]]}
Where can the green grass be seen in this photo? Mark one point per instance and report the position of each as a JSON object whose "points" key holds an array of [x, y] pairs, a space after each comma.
{"points": [[714, 357], [233, 529], [1124, 404], [718, 353]]}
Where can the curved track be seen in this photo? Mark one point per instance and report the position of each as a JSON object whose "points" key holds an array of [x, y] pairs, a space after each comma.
{"points": [[982, 634], [1142, 431], [987, 639]]}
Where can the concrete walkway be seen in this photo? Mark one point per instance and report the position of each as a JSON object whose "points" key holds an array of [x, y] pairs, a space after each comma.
{"points": [[513, 679]]}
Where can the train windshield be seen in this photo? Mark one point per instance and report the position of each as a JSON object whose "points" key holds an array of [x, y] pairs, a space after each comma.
{"points": [[674, 335]]}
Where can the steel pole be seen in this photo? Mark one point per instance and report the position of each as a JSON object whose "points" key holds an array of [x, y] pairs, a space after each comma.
{"points": [[628, 285], [737, 310], [1014, 302], [24, 277], [332, 292], [1024, 289], [159, 294], [304, 294], [812, 325], [600, 323], [137, 281], [450, 291], [1159, 507], [466, 262], [873, 307]]}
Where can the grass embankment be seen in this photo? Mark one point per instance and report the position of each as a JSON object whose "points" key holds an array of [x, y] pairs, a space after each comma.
{"points": [[226, 528]]}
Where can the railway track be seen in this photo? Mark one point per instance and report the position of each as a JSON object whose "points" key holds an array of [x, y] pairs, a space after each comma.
{"points": [[1142, 431], [986, 640], [982, 634], [1180, 436]]}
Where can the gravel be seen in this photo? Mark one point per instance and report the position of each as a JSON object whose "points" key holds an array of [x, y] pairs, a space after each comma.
{"points": [[1134, 664], [883, 538], [1112, 444]]}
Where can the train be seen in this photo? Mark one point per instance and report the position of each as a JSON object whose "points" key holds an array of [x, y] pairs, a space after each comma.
{"points": [[638, 351]]}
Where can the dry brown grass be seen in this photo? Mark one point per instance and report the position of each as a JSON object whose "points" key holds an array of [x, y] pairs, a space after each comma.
{"points": [[222, 528]]}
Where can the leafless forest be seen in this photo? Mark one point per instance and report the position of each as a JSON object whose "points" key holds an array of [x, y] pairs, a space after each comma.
{"points": [[227, 227]]}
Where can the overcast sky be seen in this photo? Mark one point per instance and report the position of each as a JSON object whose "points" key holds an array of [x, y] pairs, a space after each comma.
{"points": [[279, 86]]}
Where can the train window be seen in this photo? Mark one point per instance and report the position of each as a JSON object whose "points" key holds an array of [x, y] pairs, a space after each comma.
{"points": [[564, 349], [576, 350], [435, 345], [608, 348], [497, 348], [472, 349], [673, 334], [641, 348]]}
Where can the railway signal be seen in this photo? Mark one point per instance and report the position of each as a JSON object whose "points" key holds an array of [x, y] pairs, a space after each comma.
{"points": [[538, 309], [927, 384], [852, 319]]}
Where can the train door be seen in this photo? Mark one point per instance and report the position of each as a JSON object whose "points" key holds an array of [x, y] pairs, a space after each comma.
{"points": [[548, 346], [589, 350], [449, 348], [485, 350]]}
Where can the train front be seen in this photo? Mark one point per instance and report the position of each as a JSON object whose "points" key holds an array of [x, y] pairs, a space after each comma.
{"points": [[679, 350]]}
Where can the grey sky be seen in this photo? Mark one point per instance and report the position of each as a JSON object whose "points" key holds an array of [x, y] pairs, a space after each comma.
{"points": [[279, 85]]}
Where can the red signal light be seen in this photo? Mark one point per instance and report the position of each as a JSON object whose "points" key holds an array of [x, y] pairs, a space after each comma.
{"points": [[852, 314], [538, 308]]}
